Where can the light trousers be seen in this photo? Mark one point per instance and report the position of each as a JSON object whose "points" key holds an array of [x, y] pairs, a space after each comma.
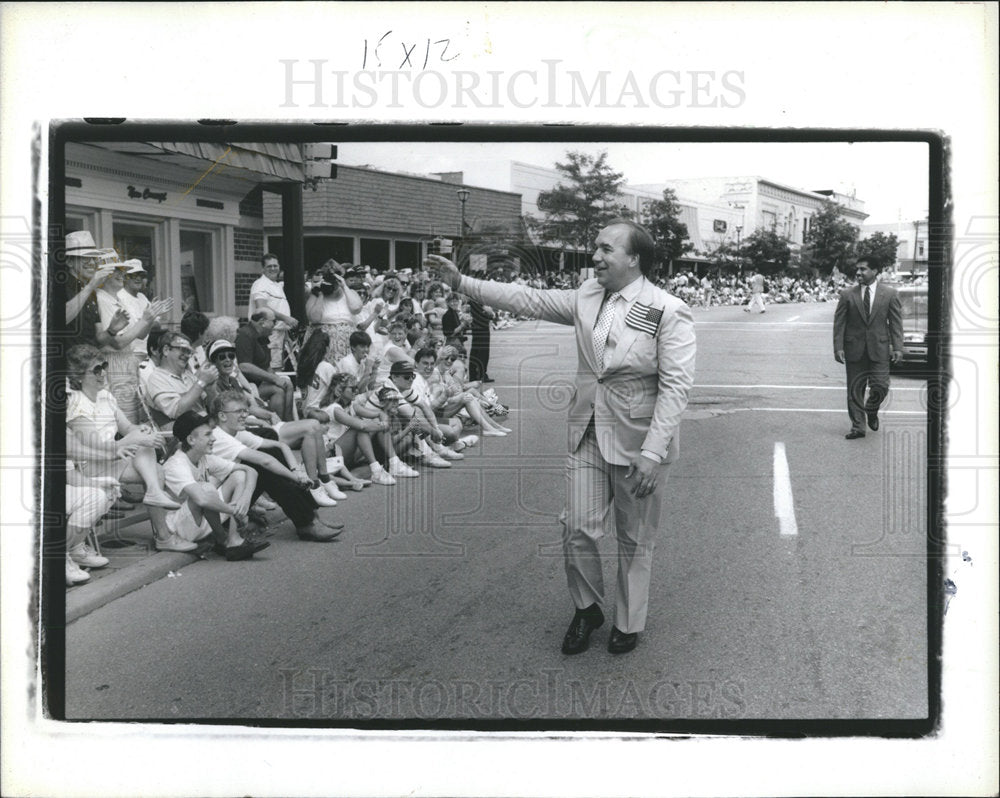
{"points": [[598, 494]]}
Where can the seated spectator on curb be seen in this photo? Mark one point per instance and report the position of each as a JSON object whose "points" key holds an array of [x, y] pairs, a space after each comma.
{"points": [[254, 359], [93, 419], [359, 364], [449, 397], [451, 429], [222, 355], [396, 350], [273, 462], [215, 494], [350, 436], [421, 418], [172, 389], [382, 404], [315, 372], [305, 434], [87, 501]]}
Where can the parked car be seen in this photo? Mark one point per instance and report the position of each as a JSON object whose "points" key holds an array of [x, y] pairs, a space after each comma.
{"points": [[913, 298]]}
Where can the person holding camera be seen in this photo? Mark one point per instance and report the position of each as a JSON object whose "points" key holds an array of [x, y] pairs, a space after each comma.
{"points": [[334, 308]]}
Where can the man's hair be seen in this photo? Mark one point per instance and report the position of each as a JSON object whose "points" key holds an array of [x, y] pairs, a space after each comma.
{"points": [[359, 338], [193, 324], [263, 313], [268, 256], [153, 341], [639, 243], [224, 398], [425, 351], [873, 263]]}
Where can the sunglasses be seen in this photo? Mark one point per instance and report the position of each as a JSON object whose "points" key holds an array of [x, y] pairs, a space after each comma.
{"points": [[99, 369], [224, 356], [406, 376]]}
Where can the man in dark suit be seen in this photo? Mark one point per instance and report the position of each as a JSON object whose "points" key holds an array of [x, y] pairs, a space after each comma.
{"points": [[635, 367], [867, 336]]}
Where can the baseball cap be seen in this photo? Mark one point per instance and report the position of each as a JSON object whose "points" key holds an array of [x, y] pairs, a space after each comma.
{"points": [[187, 423], [402, 367]]}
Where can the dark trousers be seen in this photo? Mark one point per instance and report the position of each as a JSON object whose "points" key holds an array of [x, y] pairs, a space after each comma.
{"points": [[862, 374], [479, 355], [293, 499]]}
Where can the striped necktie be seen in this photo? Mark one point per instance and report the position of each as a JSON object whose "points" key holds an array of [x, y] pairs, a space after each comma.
{"points": [[603, 327], [868, 301]]}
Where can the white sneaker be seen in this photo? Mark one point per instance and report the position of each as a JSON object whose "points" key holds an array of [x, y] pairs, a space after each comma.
{"points": [[437, 462], [174, 543], [414, 452], [82, 554], [332, 490], [74, 573], [397, 468], [468, 440], [450, 454], [380, 476], [265, 504], [321, 497]]}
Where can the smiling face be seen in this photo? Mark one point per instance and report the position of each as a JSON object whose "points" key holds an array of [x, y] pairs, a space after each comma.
{"points": [[425, 366], [176, 353], [864, 273], [95, 378], [225, 361], [200, 441], [614, 267]]}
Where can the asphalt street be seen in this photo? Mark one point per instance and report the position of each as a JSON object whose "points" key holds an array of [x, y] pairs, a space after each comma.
{"points": [[789, 578]]}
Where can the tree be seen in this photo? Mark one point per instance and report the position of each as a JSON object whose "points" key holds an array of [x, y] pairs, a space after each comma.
{"points": [[880, 246], [765, 250], [830, 241], [576, 210], [662, 219]]}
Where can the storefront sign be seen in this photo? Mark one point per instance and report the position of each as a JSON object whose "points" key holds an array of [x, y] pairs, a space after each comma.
{"points": [[146, 194], [719, 225]]}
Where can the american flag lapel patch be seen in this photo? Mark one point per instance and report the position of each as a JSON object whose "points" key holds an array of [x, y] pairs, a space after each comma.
{"points": [[644, 318]]}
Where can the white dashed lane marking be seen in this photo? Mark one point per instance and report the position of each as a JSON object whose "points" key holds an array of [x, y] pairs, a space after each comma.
{"points": [[784, 507]]}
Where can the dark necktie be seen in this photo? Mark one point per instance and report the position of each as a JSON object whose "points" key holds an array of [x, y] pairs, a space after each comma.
{"points": [[868, 301]]}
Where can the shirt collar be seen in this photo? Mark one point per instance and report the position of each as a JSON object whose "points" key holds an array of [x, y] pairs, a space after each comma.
{"points": [[632, 290]]}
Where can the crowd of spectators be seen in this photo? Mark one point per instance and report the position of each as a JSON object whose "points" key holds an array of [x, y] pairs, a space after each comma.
{"points": [[222, 420]]}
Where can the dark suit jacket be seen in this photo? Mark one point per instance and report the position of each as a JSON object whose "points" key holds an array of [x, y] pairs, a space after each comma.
{"points": [[879, 335]]}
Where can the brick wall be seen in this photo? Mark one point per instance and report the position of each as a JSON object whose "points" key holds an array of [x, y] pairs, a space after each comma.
{"points": [[253, 204], [248, 244], [242, 290]]}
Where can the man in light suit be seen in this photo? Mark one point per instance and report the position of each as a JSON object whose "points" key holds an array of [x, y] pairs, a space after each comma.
{"points": [[635, 366], [868, 336]]}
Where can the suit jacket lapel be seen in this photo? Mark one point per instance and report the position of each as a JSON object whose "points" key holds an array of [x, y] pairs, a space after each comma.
{"points": [[859, 300]]}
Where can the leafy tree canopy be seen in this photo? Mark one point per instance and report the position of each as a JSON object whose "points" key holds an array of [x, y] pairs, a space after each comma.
{"points": [[880, 246], [584, 201], [830, 241], [662, 218]]}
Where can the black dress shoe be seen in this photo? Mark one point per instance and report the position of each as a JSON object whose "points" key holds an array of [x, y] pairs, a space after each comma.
{"points": [[245, 550], [873, 421], [578, 635], [854, 433], [621, 642]]}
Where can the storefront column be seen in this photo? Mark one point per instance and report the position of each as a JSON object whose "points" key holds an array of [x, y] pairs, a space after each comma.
{"points": [[294, 250]]}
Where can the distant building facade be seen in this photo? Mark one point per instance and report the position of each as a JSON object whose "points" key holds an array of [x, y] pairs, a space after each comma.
{"points": [[911, 252]]}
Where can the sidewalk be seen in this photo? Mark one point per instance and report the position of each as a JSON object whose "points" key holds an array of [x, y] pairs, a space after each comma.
{"points": [[135, 563]]}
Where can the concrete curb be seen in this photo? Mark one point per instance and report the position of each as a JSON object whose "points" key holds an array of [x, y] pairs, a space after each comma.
{"points": [[84, 599]]}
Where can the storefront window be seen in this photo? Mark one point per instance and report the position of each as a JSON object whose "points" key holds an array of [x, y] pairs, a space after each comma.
{"points": [[136, 241], [408, 255], [375, 253], [196, 272]]}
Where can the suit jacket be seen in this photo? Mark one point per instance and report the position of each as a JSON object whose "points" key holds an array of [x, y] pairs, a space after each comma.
{"points": [[637, 399], [879, 335]]}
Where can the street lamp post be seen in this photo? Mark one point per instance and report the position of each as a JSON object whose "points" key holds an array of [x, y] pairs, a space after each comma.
{"points": [[739, 259], [463, 195]]}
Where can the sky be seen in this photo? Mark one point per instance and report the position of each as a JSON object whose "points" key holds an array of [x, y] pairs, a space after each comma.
{"points": [[890, 177]]}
